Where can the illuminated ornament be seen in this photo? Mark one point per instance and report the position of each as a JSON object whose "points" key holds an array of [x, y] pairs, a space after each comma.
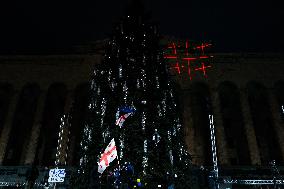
{"points": [[138, 84], [191, 54], [203, 46], [120, 71], [156, 137], [139, 184], [203, 69]]}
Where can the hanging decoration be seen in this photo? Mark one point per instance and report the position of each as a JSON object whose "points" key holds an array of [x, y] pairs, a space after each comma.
{"points": [[156, 137], [187, 58]]}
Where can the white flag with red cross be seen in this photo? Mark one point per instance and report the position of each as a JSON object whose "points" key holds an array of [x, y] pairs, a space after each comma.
{"points": [[108, 156]]}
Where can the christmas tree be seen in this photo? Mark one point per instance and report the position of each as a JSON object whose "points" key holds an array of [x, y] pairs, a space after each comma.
{"points": [[133, 109]]}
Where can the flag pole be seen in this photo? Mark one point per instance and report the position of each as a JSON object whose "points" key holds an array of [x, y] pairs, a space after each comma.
{"points": [[118, 158], [100, 181], [107, 178]]}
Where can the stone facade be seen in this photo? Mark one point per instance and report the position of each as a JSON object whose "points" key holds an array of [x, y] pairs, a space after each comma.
{"points": [[236, 135]]}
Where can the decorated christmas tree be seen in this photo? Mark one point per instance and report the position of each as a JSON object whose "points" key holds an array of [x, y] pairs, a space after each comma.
{"points": [[133, 134]]}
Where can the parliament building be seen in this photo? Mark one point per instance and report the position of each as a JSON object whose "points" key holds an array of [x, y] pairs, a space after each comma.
{"points": [[245, 92]]}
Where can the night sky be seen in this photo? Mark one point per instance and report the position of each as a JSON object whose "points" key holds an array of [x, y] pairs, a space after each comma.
{"points": [[237, 26]]}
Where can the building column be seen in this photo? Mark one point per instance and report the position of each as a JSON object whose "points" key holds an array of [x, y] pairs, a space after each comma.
{"points": [[188, 127], [222, 147], [4, 138], [249, 129], [63, 140], [277, 120], [30, 153]]}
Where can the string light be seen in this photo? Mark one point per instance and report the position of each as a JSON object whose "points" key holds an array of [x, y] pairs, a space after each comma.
{"points": [[156, 137], [120, 71], [145, 158], [164, 105], [138, 84], [159, 110], [143, 79], [103, 110], [62, 142], [143, 121], [121, 140], [157, 82], [125, 90], [213, 146]]}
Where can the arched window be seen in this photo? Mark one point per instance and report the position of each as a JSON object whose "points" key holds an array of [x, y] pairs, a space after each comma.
{"points": [[22, 125], [233, 123], [53, 111], [5, 93], [200, 104], [263, 124]]}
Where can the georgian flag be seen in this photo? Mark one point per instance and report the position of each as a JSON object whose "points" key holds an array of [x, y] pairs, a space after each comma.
{"points": [[121, 119], [108, 156]]}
